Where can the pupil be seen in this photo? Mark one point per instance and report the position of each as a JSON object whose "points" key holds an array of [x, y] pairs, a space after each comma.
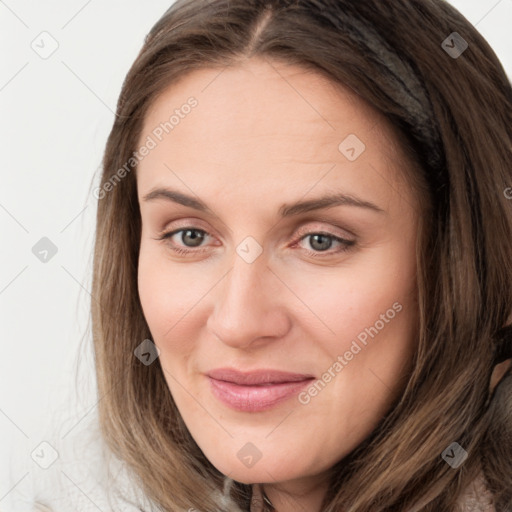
{"points": [[196, 239], [322, 246]]}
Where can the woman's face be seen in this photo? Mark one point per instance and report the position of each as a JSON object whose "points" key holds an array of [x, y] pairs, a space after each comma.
{"points": [[293, 251]]}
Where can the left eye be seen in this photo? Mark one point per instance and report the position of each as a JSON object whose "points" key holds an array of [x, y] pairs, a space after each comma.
{"points": [[320, 242]]}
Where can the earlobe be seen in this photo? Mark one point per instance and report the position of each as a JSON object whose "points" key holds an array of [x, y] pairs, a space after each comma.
{"points": [[498, 373], [502, 355]]}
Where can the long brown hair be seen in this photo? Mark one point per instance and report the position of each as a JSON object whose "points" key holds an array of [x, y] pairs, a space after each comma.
{"points": [[453, 116]]}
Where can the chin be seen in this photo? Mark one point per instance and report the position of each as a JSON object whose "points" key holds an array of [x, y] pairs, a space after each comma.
{"points": [[261, 472]]}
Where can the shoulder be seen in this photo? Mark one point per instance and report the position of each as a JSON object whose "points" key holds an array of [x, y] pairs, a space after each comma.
{"points": [[69, 468], [477, 497]]}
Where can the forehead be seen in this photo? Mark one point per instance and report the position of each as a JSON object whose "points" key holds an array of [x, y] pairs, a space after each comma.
{"points": [[262, 119], [259, 93]]}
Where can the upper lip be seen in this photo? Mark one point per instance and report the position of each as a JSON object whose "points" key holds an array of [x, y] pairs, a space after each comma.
{"points": [[260, 376]]}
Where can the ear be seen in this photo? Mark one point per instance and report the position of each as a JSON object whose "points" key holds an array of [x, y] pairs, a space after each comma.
{"points": [[499, 371]]}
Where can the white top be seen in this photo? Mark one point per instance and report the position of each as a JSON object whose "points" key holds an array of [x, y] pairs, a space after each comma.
{"points": [[68, 471]]}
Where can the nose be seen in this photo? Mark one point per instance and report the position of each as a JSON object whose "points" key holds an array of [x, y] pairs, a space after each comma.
{"points": [[249, 305]]}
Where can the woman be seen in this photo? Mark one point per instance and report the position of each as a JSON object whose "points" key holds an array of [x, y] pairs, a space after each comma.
{"points": [[302, 280]]}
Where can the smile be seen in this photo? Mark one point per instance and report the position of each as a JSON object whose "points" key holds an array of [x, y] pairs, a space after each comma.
{"points": [[255, 397]]}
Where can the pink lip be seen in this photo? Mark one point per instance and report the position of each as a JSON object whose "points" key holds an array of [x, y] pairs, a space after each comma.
{"points": [[257, 390]]}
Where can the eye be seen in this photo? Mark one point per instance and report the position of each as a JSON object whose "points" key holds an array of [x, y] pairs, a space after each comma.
{"points": [[191, 240], [322, 242], [190, 237]]}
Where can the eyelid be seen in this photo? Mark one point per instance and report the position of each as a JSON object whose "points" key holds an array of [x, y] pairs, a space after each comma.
{"points": [[184, 224], [344, 244], [305, 229], [167, 234], [308, 229]]}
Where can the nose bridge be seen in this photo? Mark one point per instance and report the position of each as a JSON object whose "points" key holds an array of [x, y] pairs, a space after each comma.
{"points": [[245, 307], [244, 290]]}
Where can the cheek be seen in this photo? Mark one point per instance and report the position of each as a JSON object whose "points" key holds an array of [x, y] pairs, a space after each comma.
{"points": [[371, 307], [348, 300], [154, 291], [168, 291], [173, 297]]}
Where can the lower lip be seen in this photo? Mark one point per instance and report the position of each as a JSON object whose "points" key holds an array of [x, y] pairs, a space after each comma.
{"points": [[254, 398]]}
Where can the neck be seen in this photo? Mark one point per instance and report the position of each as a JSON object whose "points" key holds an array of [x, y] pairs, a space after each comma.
{"points": [[298, 495]]}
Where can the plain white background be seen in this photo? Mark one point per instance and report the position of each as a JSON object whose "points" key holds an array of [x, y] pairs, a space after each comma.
{"points": [[56, 114]]}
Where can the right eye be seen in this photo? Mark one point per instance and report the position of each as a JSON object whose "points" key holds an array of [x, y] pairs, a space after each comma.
{"points": [[190, 237]]}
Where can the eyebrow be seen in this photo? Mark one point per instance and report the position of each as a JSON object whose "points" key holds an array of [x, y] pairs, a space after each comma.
{"points": [[326, 201]]}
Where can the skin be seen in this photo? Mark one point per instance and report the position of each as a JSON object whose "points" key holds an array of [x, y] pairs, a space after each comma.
{"points": [[266, 134]]}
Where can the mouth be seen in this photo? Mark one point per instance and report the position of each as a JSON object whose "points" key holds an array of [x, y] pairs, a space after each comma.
{"points": [[255, 391]]}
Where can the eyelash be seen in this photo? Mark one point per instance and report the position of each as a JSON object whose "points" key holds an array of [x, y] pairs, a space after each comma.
{"points": [[345, 244]]}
